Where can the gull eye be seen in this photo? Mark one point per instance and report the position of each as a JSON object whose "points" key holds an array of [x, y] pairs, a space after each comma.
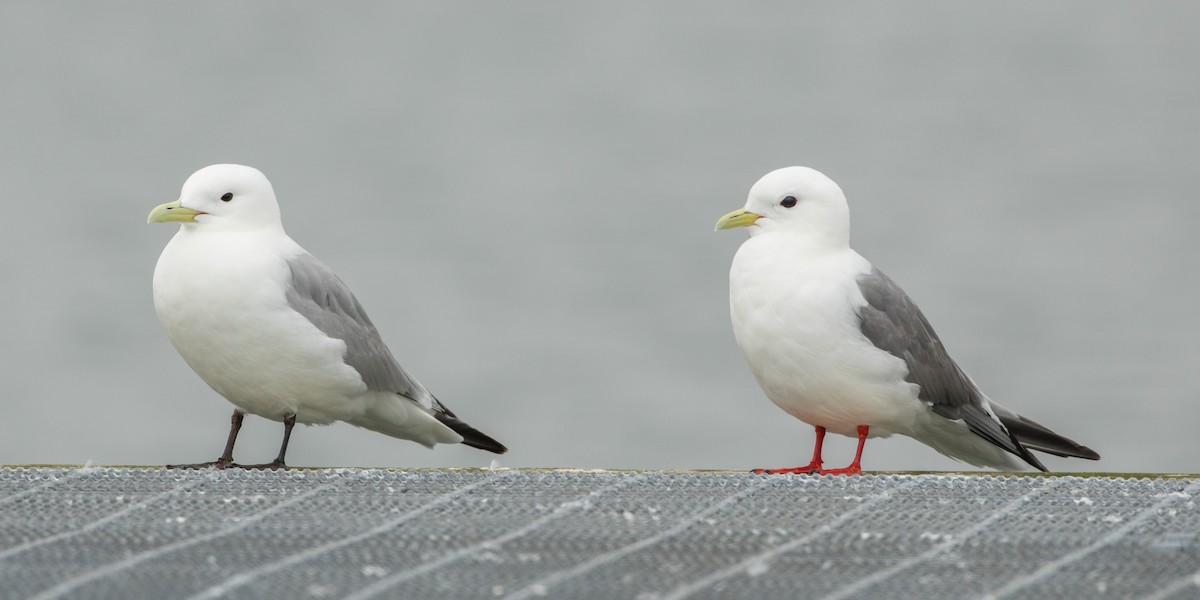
{"points": [[788, 202], [229, 196]]}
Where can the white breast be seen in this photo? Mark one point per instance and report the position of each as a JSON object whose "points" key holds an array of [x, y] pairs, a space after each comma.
{"points": [[795, 318], [221, 298]]}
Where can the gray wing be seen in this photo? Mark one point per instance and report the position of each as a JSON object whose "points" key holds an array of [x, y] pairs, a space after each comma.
{"points": [[894, 324], [322, 298]]}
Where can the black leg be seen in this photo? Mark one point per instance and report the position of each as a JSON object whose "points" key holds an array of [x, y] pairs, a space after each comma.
{"points": [[226, 460], [288, 422]]}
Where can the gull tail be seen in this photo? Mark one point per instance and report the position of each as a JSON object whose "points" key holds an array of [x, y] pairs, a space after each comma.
{"points": [[471, 436], [1036, 436]]}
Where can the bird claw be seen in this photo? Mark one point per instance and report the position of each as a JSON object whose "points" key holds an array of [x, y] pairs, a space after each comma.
{"points": [[805, 470], [220, 463], [274, 466], [850, 470]]}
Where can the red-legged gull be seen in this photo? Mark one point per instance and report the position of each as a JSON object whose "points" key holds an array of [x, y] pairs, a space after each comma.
{"points": [[835, 343]]}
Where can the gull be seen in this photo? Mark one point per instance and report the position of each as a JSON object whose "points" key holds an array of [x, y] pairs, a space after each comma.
{"points": [[273, 330], [834, 342]]}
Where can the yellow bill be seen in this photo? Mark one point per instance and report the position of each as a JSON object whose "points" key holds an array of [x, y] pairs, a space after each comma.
{"points": [[172, 212], [738, 218]]}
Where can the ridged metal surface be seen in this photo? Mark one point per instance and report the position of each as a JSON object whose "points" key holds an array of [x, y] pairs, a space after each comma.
{"points": [[152, 533]]}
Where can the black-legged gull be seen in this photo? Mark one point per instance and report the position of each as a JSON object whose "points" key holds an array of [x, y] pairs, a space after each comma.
{"points": [[835, 343], [273, 330]]}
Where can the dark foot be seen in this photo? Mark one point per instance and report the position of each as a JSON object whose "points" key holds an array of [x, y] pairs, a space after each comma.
{"points": [[220, 463], [271, 465], [808, 469]]}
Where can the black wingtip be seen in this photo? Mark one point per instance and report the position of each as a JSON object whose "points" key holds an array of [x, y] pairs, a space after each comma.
{"points": [[471, 437], [1075, 451], [1035, 436], [484, 442], [1028, 457]]}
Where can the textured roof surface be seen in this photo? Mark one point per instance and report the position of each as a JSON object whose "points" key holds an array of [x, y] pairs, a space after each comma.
{"points": [[151, 533]]}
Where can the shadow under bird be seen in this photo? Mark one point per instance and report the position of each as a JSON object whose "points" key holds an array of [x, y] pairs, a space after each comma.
{"points": [[273, 330], [835, 343]]}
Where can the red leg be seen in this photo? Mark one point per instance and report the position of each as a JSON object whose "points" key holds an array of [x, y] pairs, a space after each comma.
{"points": [[855, 468], [812, 467]]}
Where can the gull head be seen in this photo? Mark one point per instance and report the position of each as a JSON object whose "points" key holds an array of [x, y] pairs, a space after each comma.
{"points": [[796, 201], [222, 198]]}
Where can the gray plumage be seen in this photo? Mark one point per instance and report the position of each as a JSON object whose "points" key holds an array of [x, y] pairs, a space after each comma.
{"points": [[320, 296], [893, 323]]}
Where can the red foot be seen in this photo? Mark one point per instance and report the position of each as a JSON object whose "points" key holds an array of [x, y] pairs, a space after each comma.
{"points": [[815, 465], [854, 468], [808, 469], [850, 470]]}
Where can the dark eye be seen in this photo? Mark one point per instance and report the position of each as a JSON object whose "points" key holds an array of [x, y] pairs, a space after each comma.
{"points": [[229, 196], [788, 202]]}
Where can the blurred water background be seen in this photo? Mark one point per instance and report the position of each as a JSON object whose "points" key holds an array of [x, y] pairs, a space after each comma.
{"points": [[522, 195]]}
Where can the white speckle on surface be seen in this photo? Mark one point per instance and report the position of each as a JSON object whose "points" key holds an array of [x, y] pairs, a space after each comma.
{"points": [[582, 504], [628, 516], [497, 590], [1084, 500], [1101, 587], [538, 589], [374, 571], [758, 568], [320, 590], [489, 556], [1113, 519], [528, 557]]}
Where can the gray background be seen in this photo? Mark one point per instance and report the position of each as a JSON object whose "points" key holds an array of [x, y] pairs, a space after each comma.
{"points": [[522, 195]]}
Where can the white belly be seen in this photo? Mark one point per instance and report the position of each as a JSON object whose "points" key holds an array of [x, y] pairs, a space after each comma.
{"points": [[795, 319], [234, 328]]}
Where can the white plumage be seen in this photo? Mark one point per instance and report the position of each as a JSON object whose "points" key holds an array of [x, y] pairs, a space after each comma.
{"points": [[833, 342], [272, 329]]}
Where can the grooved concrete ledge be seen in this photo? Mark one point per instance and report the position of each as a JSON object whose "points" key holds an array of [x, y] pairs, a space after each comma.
{"points": [[368, 533]]}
